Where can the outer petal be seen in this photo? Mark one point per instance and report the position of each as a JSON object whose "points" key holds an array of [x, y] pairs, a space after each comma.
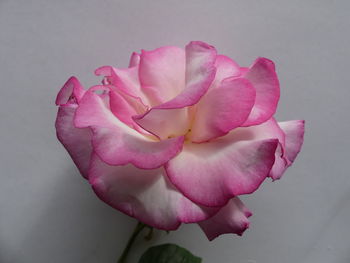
{"points": [[134, 60], [76, 141], [233, 218], [264, 78], [164, 70], [290, 135], [294, 131], [144, 194], [118, 144], [280, 165], [225, 68], [200, 72], [267, 130], [212, 173], [223, 109], [71, 92]]}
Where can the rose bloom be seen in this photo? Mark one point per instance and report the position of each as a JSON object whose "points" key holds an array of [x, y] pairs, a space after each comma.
{"points": [[178, 135]]}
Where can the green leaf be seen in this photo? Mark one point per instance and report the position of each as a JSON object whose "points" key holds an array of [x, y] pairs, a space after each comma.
{"points": [[168, 253]]}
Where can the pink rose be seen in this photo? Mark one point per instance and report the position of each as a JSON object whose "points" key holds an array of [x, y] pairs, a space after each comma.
{"points": [[178, 135]]}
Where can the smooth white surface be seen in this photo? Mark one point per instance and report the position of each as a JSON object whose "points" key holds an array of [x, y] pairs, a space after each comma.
{"points": [[48, 212]]}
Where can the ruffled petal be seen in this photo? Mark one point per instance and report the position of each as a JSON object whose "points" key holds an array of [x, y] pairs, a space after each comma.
{"points": [[146, 195], [200, 71], [171, 118], [71, 92], [212, 173], [134, 60], [76, 141], [225, 68], [263, 76], [290, 135], [124, 106], [222, 109], [294, 131], [126, 80], [267, 130], [117, 143], [280, 165], [232, 218], [163, 69]]}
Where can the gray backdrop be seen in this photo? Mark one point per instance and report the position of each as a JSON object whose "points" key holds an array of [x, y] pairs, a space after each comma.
{"points": [[48, 212]]}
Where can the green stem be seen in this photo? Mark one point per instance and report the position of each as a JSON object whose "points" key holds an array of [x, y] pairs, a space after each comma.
{"points": [[139, 227], [150, 234]]}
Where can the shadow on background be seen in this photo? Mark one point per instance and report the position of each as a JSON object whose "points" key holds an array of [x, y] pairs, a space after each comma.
{"points": [[74, 226]]}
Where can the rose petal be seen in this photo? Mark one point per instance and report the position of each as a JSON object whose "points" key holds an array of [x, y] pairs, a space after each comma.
{"points": [[212, 173], [165, 123], [126, 80], [71, 92], [294, 131], [264, 79], [280, 165], [232, 218], [146, 195], [290, 135], [118, 144], [267, 130], [222, 109], [124, 106], [164, 70], [134, 60], [76, 141], [225, 68], [171, 118]]}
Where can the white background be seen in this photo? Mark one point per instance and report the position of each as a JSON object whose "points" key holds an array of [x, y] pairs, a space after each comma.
{"points": [[48, 213]]}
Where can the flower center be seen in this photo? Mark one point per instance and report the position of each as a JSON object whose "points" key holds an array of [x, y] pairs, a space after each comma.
{"points": [[188, 135]]}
